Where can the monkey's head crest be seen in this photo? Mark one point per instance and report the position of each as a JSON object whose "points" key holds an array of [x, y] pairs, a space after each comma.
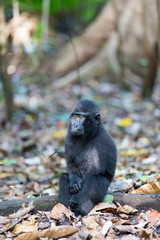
{"points": [[85, 105]]}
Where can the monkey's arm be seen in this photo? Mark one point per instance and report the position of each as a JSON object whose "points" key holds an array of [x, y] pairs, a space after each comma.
{"points": [[74, 183], [74, 180]]}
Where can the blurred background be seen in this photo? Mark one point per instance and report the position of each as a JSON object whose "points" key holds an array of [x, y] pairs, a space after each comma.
{"points": [[52, 53]]}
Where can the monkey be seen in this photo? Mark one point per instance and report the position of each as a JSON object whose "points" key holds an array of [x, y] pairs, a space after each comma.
{"points": [[91, 158]]}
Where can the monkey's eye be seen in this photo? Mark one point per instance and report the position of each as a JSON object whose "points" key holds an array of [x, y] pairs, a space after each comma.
{"points": [[81, 117], [74, 117]]}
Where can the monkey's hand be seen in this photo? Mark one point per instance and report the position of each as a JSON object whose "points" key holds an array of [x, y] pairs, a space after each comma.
{"points": [[74, 185], [73, 202]]}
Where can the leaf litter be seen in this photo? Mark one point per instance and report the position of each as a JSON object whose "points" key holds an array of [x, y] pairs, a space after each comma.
{"points": [[32, 158]]}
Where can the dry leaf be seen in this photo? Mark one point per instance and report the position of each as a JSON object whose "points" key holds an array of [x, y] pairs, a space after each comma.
{"points": [[55, 232], [127, 209], [29, 236], [6, 174], [90, 222], [153, 217], [124, 122], [106, 227], [59, 211], [105, 207], [124, 229], [135, 152], [11, 225], [149, 188], [22, 211], [19, 228], [60, 133], [148, 234], [4, 220]]}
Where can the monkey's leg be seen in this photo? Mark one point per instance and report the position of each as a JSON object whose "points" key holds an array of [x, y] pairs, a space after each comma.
{"points": [[93, 191], [64, 194]]}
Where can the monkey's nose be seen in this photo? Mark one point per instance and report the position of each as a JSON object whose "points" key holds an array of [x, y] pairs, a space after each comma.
{"points": [[76, 125]]}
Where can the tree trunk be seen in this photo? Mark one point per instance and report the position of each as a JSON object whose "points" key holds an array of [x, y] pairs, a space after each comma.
{"points": [[151, 55], [88, 44], [158, 29], [151, 73], [6, 81], [142, 202], [44, 23]]}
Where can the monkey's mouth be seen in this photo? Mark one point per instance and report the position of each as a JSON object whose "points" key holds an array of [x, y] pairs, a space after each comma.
{"points": [[77, 132]]}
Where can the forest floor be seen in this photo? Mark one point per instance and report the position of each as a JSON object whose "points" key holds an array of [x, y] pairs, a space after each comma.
{"points": [[32, 158]]}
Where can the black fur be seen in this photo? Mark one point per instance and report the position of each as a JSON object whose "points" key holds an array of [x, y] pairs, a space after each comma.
{"points": [[91, 160]]}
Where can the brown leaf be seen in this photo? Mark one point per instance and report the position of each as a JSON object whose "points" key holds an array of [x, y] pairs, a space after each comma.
{"points": [[153, 217], [19, 228], [127, 209], [148, 234], [4, 220], [55, 232], [90, 222], [105, 207], [59, 211], [124, 229], [11, 225], [31, 236], [149, 188]]}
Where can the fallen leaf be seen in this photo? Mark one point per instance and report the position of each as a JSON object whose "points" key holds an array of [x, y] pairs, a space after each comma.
{"points": [[6, 174], [143, 142], [104, 207], [31, 236], [124, 229], [55, 232], [135, 152], [148, 188], [127, 209], [106, 228], [60, 133], [124, 122], [4, 220], [59, 211], [43, 224], [19, 228], [153, 216], [151, 159], [90, 222], [11, 225], [148, 234]]}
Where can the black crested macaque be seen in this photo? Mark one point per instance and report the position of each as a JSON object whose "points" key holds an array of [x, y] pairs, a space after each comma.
{"points": [[91, 160]]}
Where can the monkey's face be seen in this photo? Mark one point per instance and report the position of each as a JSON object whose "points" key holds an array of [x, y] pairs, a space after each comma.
{"points": [[77, 124], [83, 124]]}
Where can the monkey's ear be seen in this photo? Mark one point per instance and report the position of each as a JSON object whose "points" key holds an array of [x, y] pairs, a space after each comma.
{"points": [[97, 118]]}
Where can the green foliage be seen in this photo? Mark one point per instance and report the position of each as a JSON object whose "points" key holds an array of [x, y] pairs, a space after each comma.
{"points": [[144, 178], [7, 162], [1, 95], [30, 5], [31, 196], [108, 199], [83, 10], [36, 5], [58, 6], [37, 33], [143, 62]]}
